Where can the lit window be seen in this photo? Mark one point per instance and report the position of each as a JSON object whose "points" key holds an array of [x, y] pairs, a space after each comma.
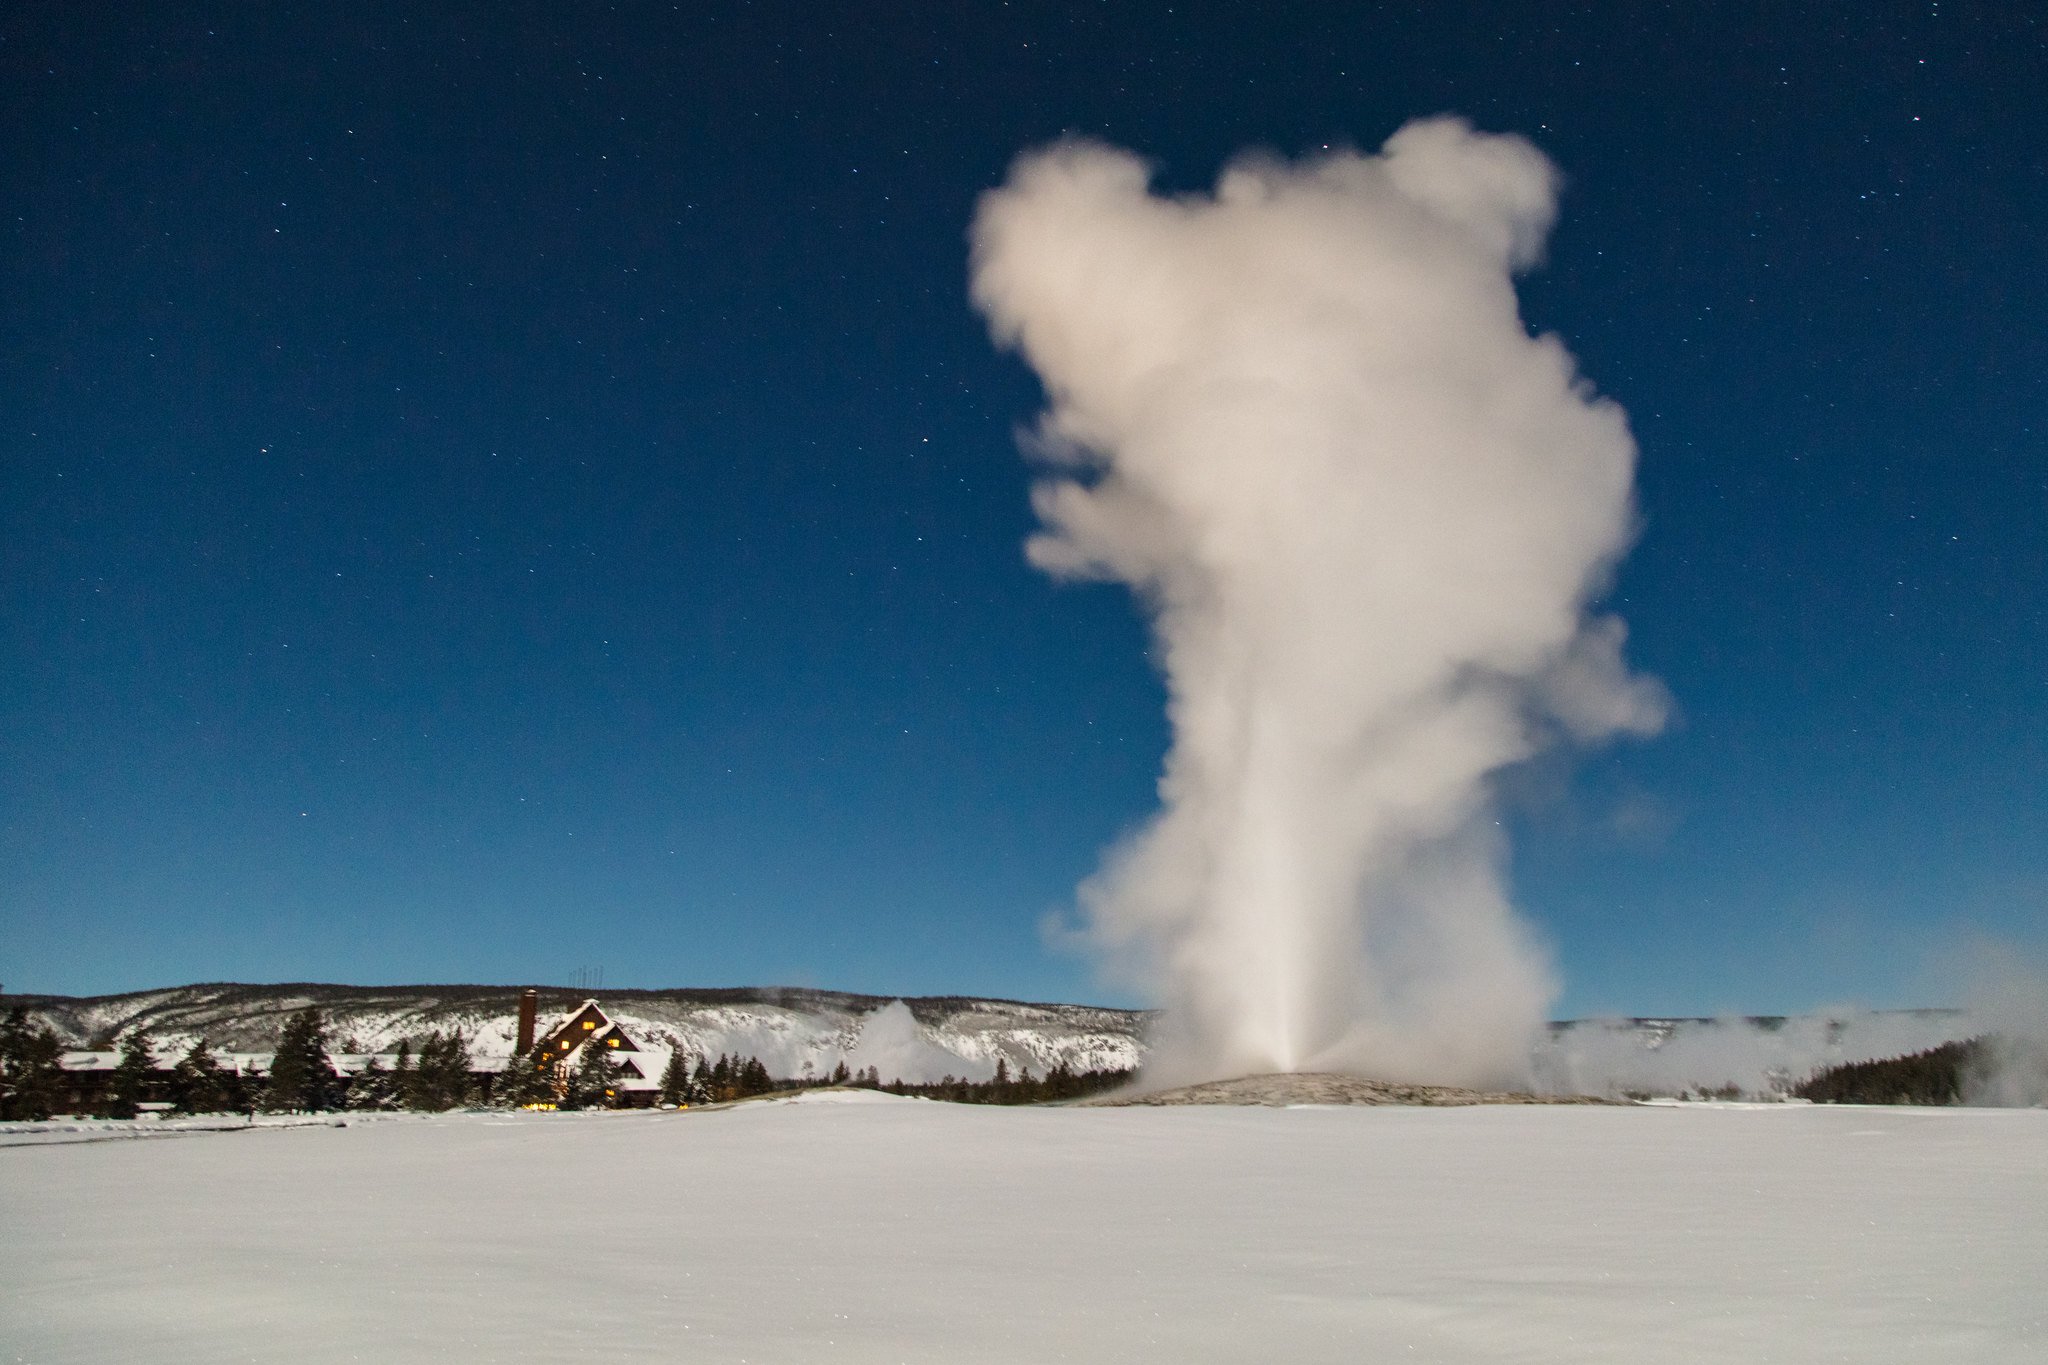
{"points": [[611, 1042], [590, 1023]]}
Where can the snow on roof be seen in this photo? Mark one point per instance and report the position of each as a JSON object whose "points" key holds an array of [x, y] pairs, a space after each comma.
{"points": [[92, 1060], [349, 1063], [650, 1062]]}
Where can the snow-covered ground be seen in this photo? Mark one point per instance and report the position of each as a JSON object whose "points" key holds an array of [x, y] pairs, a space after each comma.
{"points": [[877, 1230]]}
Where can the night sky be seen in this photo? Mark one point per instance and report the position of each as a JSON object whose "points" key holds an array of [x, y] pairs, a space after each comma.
{"points": [[486, 492]]}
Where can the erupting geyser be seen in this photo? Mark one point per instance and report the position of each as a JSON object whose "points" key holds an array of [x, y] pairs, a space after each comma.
{"points": [[1366, 511]]}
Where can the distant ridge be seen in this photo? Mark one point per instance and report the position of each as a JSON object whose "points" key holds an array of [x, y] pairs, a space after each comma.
{"points": [[794, 1030]]}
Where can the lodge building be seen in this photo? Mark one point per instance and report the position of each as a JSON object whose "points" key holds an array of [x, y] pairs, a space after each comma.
{"points": [[639, 1071]]}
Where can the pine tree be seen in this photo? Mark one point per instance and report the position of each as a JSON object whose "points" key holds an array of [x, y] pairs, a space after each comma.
{"points": [[419, 1077], [31, 1068], [840, 1075], [426, 1075], [675, 1079], [528, 1079], [700, 1083], [441, 1080], [594, 1082], [197, 1085], [133, 1075], [371, 1088], [458, 1080], [401, 1076], [301, 1075]]}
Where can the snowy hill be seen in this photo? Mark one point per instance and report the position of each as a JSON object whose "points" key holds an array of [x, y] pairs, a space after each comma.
{"points": [[801, 1032], [795, 1032]]}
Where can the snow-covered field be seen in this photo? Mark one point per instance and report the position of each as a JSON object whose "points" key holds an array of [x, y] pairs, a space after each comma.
{"points": [[900, 1230]]}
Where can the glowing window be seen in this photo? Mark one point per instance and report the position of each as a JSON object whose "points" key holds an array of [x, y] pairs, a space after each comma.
{"points": [[611, 1042], [590, 1023]]}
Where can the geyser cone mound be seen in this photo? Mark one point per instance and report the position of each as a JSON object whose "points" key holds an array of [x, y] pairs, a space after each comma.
{"points": [[1329, 1087]]}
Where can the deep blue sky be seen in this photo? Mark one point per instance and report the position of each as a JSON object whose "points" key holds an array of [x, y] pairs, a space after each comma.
{"points": [[490, 491]]}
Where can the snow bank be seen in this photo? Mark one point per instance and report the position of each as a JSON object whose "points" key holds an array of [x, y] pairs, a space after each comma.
{"points": [[42, 1132]]}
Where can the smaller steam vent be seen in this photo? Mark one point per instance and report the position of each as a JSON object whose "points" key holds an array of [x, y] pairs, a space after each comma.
{"points": [[529, 1013]]}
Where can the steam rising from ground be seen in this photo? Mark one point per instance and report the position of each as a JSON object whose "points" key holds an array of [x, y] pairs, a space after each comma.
{"points": [[2009, 994], [892, 1042], [1303, 421], [1762, 1058]]}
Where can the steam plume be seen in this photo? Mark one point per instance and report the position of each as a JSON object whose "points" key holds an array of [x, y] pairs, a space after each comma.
{"points": [[1365, 510]]}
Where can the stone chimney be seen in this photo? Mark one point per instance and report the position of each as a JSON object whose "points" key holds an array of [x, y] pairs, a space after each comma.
{"points": [[529, 1013]]}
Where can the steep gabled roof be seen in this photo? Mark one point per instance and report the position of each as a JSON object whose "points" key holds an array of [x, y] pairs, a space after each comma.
{"points": [[564, 1027], [564, 1037]]}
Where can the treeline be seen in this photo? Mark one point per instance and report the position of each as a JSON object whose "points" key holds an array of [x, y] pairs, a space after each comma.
{"points": [[727, 1079], [732, 1078], [1936, 1076], [35, 1085], [1060, 1083], [436, 1079], [303, 1077]]}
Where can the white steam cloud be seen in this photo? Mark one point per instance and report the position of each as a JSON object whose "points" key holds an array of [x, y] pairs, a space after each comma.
{"points": [[1366, 510], [2008, 998]]}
